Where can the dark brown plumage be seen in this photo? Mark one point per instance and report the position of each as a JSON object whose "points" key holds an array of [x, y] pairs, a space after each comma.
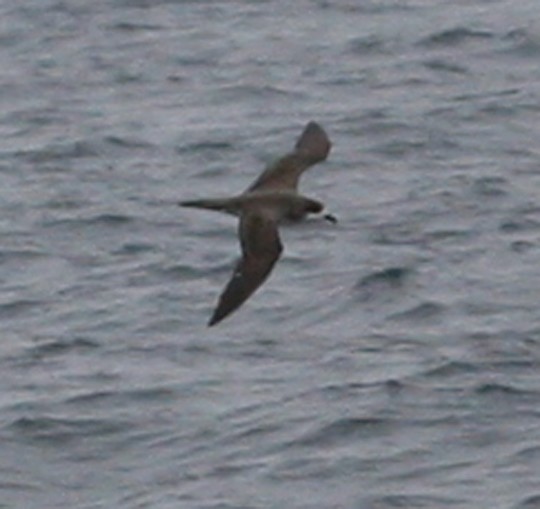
{"points": [[270, 199]]}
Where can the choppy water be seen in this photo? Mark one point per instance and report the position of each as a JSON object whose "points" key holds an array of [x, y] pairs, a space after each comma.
{"points": [[392, 360]]}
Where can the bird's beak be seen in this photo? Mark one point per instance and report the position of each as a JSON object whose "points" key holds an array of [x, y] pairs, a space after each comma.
{"points": [[330, 218]]}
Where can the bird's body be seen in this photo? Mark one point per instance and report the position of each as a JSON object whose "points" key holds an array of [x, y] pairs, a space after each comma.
{"points": [[278, 205], [272, 198]]}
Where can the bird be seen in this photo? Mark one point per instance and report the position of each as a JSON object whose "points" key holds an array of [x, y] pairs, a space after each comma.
{"points": [[271, 199]]}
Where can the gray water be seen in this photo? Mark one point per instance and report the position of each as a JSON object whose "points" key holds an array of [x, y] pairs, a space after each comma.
{"points": [[390, 361]]}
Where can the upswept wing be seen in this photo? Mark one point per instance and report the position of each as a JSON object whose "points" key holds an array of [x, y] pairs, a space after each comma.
{"points": [[311, 148], [261, 248]]}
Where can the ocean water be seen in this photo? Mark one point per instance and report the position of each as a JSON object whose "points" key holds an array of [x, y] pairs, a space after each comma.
{"points": [[391, 360]]}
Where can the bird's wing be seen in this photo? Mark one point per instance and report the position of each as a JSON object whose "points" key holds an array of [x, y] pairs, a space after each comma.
{"points": [[261, 248], [311, 148]]}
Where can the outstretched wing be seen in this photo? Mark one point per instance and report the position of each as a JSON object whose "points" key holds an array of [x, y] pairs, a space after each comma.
{"points": [[261, 248], [311, 148]]}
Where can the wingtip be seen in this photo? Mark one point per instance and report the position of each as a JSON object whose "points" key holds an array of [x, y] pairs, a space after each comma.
{"points": [[216, 317], [314, 143], [313, 125], [214, 320]]}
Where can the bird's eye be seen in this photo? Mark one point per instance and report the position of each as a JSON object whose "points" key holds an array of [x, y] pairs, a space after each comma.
{"points": [[315, 207]]}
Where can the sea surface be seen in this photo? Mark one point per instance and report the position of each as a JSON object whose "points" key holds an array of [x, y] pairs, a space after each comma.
{"points": [[392, 360]]}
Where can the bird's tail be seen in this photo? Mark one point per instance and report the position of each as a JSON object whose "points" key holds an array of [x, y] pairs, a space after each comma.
{"points": [[218, 204]]}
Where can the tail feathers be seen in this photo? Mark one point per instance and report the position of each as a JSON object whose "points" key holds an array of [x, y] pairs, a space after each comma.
{"points": [[218, 204]]}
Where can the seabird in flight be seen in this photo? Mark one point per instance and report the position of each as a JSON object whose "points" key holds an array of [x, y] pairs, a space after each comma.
{"points": [[273, 197]]}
